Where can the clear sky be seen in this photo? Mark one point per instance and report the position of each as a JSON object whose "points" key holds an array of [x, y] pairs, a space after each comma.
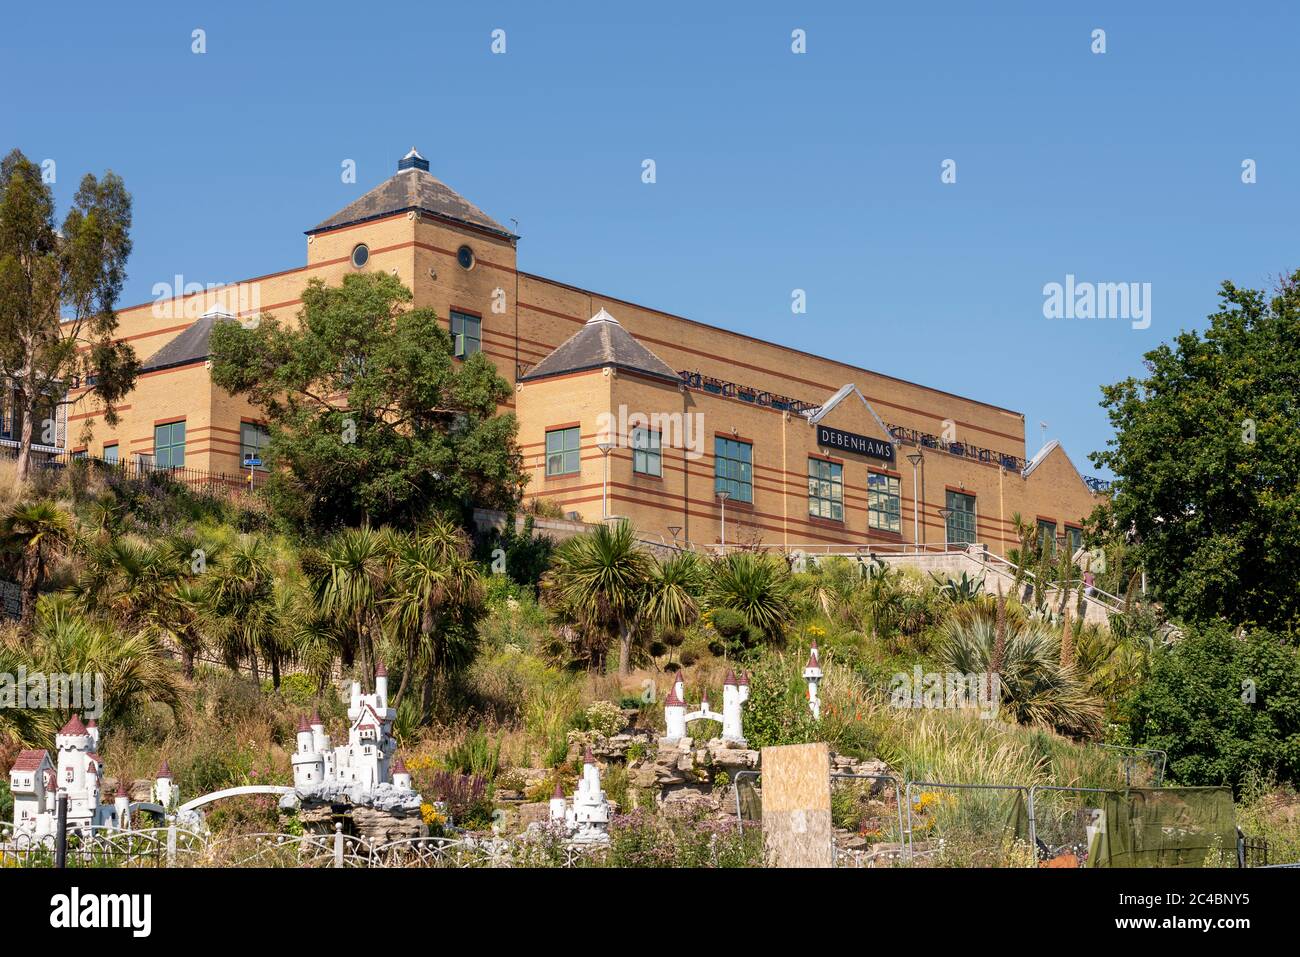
{"points": [[775, 171]]}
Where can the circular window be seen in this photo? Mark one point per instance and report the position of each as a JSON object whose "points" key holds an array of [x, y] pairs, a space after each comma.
{"points": [[465, 256], [360, 255]]}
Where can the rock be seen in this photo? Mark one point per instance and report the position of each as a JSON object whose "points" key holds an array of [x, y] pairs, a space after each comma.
{"points": [[534, 812], [735, 759], [381, 826]]}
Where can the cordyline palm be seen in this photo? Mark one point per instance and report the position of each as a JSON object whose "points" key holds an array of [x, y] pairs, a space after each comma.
{"points": [[36, 532], [672, 600], [757, 586], [828, 587], [601, 578], [433, 582], [240, 612], [349, 577]]}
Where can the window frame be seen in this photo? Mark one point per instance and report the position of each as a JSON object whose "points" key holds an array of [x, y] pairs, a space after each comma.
{"points": [[1044, 524], [643, 457], [114, 458], [825, 475], [564, 451], [171, 445], [741, 464], [458, 350], [956, 532], [244, 447], [893, 491]]}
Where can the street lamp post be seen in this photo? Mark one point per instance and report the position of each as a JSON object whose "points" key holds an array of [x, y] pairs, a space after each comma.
{"points": [[723, 494], [605, 448], [943, 514], [915, 458]]}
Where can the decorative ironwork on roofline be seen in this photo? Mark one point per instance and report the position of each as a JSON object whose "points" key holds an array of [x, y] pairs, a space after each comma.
{"points": [[733, 390]]}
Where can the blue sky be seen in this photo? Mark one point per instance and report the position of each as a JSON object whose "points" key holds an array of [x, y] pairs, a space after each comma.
{"points": [[775, 171]]}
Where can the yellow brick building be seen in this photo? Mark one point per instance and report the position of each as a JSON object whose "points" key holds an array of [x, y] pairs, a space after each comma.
{"points": [[623, 410]]}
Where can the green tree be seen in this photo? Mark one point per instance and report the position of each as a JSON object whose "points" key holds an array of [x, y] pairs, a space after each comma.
{"points": [[1225, 708], [58, 294], [1207, 458], [371, 418], [601, 578]]}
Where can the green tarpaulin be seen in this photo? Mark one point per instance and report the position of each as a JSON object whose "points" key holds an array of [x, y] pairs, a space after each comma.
{"points": [[1164, 827]]}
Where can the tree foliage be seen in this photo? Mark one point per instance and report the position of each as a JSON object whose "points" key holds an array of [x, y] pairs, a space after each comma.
{"points": [[58, 293], [371, 418], [1207, 456]]}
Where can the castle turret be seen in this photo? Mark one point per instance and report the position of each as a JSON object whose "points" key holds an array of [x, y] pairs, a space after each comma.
{"points": [[381, 686], [557, 802], [308, 761], [306, 740], [92, 729], [732, 727], [163, 792], [812, 673], [675, 713], [401, 777], [122, 806]]}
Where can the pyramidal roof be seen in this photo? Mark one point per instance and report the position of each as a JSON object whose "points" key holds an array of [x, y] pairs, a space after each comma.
{"points": [[602, 341], [191, 345], [413, 187]]}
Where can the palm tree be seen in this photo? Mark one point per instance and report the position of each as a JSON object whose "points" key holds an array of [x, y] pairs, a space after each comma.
{"points": [[134, 665], [434, 583], [672, 601], [36, 531], [348, 580], [758, 587], [1035, 688], [601, 577]]}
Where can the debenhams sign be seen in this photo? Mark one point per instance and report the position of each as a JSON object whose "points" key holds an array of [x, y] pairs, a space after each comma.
{"points": [[852, 442]]}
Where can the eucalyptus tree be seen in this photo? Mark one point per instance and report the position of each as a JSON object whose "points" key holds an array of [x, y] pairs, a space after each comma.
{"points": [[58, 295]]}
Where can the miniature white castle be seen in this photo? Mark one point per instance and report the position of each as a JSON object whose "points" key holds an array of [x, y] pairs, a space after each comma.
{"points": [[734, 694], [36, 781], [587, 820], [366, 761], [812, 673]]}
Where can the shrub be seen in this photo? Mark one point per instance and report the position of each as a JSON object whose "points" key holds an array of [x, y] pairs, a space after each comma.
{"points": [[605, 718], [1224, 708]]}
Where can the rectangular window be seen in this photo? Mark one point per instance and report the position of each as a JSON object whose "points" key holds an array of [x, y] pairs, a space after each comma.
{"points": [[80, 455], [733, 469], [466, 334], [646, 454], [253, 440], [1074, 535], [1046, 536], [825, 489], [884, 503], [169, 445], [562, 451], [110, 453], [960, 526]]}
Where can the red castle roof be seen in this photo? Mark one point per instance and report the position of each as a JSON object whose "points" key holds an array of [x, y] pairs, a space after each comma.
{"points": [[381, 671], [730, 679], [164, 771], [303, 725], [588, 757], [399, 766], [74, 726], [559, 791]]}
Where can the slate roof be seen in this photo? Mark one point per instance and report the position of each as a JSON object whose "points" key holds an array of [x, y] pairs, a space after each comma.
{"points": [[413, 188], [601, 342], [191, 345]]}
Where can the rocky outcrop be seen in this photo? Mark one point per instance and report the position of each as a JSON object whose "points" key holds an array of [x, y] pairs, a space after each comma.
{"points": [[381, 814]]}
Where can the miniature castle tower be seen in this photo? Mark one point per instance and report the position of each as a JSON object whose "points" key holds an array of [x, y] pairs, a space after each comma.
{"points": [[163, 791], [308, 762], [557, 803], [588, 819], [79, 772], [812, 673], [734, 694], [122, 806], [675, 710], [401, 776]]}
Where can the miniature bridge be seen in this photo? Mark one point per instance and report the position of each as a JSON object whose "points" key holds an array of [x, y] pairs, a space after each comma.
{"points": [[199, 802]]}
